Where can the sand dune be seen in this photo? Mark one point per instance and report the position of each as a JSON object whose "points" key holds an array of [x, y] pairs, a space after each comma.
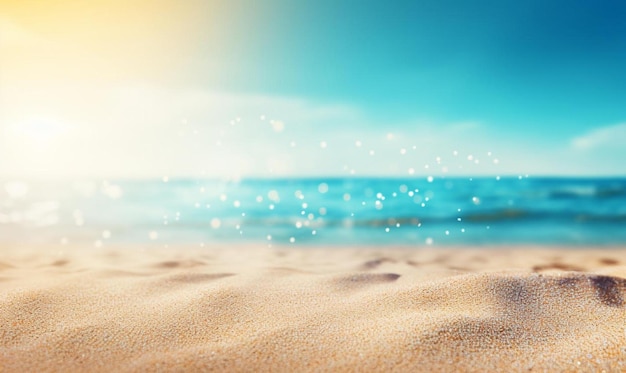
{"points": [[254, 309]]}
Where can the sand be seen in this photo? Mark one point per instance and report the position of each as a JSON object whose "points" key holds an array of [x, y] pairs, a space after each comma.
{"points": [[312, 309]]}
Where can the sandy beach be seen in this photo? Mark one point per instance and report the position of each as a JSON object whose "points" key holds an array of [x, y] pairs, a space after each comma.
{"points": [[312, 309], [312, 186]]}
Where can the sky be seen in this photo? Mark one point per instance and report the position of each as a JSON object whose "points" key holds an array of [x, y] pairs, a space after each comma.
{"points": [[275, 88]]}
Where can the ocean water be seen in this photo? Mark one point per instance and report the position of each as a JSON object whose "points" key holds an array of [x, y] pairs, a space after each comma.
{"points": [[317, 211]]}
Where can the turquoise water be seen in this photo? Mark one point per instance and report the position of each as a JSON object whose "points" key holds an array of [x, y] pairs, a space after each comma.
{"points": [[319, 211]]}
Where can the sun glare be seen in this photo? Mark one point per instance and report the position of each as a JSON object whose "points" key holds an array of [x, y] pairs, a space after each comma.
{"points": [[37, 145], [37, 131]]}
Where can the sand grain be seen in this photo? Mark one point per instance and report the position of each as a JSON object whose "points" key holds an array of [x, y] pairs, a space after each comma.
{"points": [[252, 309]]}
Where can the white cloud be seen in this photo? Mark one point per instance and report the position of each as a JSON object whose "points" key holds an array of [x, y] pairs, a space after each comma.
{"points": [[150, 131], [147, 131], [603, 137]]}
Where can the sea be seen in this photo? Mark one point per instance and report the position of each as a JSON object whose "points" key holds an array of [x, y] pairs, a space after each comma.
{"points": [[314, 212]]}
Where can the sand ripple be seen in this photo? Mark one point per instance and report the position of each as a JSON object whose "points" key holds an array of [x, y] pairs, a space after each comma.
{"points": [[314, 310]]}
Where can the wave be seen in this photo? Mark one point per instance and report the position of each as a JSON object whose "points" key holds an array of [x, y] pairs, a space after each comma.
{"points": [[499, 215], [591, 192], [485, 217]]}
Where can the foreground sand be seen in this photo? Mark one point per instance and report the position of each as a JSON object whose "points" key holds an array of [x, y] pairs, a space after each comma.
{"points": [[255, 309]]}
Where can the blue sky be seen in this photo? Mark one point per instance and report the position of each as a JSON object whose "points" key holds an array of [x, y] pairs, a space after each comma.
{"points": [[541, 85], [522, 64]]}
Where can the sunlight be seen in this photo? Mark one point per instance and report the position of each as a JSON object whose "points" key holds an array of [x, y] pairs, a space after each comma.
{"points": [[39, 145], [37, 131]]}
